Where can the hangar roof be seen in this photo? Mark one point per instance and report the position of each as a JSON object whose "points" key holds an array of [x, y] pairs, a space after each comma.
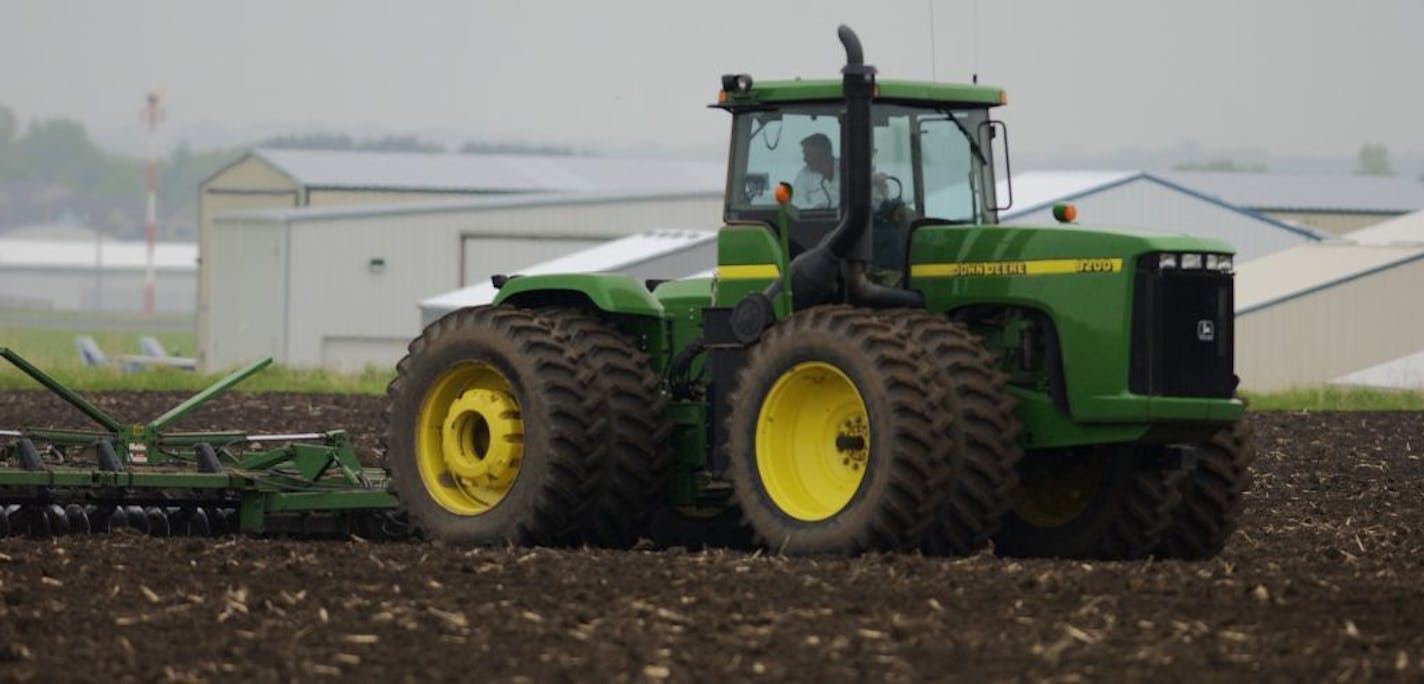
{"points": [[1035, 191], [1406, 229], [1306, 192], [477, 203], [1310, 267], [491, 173]]}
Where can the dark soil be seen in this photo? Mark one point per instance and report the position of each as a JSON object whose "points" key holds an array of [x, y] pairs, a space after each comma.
{"points": [[1325, 580]]}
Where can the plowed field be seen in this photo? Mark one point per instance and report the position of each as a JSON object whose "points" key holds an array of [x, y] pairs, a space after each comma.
{"points": [[1325, 580]]}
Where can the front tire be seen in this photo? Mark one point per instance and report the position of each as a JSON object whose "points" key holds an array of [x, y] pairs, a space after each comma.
{"points": [[1106, 502], [832, 435], [1210, 497]]}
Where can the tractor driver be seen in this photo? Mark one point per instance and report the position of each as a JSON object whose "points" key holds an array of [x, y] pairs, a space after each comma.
{"points": [[816, 185]]}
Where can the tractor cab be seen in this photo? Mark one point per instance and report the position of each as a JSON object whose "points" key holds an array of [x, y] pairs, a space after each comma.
{"points": [[930, 160]]}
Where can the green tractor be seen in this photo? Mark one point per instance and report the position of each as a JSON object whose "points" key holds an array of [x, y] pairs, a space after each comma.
{"points": [[876, 365]]}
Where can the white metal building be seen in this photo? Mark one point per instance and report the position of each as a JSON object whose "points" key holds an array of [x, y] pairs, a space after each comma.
{"points": [[1135, 199], [1406, 371], [337, 287], [1407, 229], [1327, 311], [1329, 204], [95, 275], [292, 179]]}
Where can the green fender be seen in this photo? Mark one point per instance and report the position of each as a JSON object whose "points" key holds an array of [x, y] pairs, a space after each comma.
{"points": [[614, 293]]}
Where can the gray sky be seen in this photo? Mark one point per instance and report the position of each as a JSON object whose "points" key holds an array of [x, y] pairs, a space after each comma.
{"points": [[1086, 77]]}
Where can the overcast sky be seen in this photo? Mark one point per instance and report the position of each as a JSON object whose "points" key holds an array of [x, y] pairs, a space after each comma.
{"points": [[1084, 77]]}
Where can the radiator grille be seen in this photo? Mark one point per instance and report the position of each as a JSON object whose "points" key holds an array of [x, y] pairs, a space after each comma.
{"points": [[1182, 332]]}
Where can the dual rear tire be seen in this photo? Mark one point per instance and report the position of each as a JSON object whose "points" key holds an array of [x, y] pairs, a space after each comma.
{"points": [[510, 426]]}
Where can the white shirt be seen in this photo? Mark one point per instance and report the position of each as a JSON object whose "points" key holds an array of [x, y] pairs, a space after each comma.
{"points": [[811, 190]]}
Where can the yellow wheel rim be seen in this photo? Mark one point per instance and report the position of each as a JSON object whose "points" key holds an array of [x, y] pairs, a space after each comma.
{"points": [[1055, 495], [812, 441], [469, 439]]}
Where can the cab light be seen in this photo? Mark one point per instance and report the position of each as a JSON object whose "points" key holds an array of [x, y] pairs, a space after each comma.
{"points": [[721, 97], [1003, 97], [1065, 213], [740, 83]]}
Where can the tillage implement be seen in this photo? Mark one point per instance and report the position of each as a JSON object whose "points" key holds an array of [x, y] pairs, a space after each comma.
{"points": [[142, 476]]}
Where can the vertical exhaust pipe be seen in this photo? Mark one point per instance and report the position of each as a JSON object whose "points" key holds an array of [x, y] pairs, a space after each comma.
{"points": [[834, 267]]}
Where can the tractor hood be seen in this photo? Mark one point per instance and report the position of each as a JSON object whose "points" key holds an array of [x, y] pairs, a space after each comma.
{"points": [[989, 244]]}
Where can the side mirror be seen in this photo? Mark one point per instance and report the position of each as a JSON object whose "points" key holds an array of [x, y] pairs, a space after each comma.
{"points": [[990, 131]]}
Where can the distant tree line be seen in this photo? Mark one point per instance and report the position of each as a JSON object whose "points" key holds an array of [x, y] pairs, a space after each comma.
{"points": [[406, 143], [52, 171], [1372, 160], [1230, 165], [484, 147], [341, 141]]}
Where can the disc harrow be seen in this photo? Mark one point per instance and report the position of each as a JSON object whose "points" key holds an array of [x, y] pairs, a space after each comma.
{"points": [[148, 479]]}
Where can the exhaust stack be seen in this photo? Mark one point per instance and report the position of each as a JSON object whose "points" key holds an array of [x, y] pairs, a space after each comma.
{"points": [[835, 265]]}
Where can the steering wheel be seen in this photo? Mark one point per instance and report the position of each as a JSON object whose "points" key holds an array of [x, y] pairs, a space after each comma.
{"points": [[899, 187], [890, 206]]}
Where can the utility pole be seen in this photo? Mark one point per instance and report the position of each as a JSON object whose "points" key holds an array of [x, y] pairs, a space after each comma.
{"points": [[153, 114]]}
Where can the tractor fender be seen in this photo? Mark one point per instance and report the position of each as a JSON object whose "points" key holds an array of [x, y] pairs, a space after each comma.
{"points": [[613, 293]]}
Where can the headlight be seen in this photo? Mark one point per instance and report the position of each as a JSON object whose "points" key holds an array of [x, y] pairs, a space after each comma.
{"points": [[1218, 262], [1166, 261], [1191, 261]]}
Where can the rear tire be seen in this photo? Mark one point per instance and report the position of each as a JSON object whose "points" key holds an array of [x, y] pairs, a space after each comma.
{"points": [[1107, 502], [630, 461], [498, 382], [1210, 497], [982, 427], [832, 437]]}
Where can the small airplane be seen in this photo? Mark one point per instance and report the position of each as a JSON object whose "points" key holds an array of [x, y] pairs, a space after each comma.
{"points": [[153, 355]]}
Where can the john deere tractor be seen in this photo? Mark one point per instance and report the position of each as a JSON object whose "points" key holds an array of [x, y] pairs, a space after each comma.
{"points": [[877, 365]]}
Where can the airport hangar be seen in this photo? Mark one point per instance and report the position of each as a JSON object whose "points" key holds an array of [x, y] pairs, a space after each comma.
{"points": [[375, 185]]}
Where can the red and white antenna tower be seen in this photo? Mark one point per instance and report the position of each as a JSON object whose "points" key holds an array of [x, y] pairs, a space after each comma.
{"points": [[153, 114]]}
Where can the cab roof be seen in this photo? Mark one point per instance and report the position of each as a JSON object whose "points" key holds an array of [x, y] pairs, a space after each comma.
{"points": [[830, 89]]}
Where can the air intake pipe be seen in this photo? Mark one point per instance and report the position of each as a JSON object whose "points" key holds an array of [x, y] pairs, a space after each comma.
{"points": [[818, 273]]}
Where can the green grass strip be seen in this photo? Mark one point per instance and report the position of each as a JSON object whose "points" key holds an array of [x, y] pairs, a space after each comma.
{"points": [[1336, 398]]}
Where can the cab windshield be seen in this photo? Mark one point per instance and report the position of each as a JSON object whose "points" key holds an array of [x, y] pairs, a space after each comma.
{"points": [[929, 165]]}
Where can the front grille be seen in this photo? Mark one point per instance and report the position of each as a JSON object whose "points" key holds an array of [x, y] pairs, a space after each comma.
{"points": [[1182, 332]]}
